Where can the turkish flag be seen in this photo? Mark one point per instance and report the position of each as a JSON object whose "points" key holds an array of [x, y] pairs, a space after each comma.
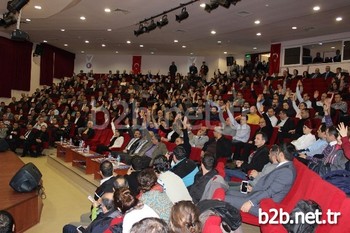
{"points": [[274, 64], [136, 64]]}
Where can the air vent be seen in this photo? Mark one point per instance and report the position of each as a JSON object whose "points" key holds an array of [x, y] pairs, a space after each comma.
{"points": [[309, 29], [243, 13]]}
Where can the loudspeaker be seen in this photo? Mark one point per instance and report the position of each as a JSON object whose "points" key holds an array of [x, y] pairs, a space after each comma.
{"points": [[38, 50], [26, 179], [229, 61], [4, 146]]}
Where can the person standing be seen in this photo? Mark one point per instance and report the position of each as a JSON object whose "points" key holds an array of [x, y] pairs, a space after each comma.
{"points": [[204, 72], [172, 69]]}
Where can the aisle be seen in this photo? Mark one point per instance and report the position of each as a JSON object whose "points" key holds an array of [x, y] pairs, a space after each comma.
{"points": [[64, 203]]}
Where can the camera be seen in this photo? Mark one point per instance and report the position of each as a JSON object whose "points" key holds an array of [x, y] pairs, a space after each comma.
{"points": [[244, 185]]}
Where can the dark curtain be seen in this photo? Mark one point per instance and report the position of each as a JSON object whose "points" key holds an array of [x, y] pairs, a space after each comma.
{"points": [[23, 59], [46, 65], [64, 64], [15, 66], [55, 63]]}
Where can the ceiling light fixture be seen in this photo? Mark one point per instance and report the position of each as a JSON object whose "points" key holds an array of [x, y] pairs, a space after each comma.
{"points": [[211, 6], [86, 42], [213, 32], [184, 46], [82, 51], [163, 21], [182, 16], [202, 5], [141, 45], [107, 10], [215, 3], [37, 7], [316, 8], [258, 34], [103, 45], [16, 5], [257, 21], [8, 19], [44, 41], [62, 29], [339, 19], [65, 45], [255, 48], [128, 42], [109, 30], [28, 20], [294, 28], [142, 29], [82, 17], [151, 26], [175, 41], [225, 52]]}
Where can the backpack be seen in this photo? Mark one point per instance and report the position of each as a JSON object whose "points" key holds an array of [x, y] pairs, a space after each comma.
{"points": [[230, 217], [304, 206], [340, 179]]}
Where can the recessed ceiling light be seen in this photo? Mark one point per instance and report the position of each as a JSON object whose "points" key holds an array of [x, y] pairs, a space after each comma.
{"points": [[219, 42], [28, 20], [141, 45], [267, 5], [257, 21], [128, 42], [255, 48], [316, 8], [62, 29], [65, 45], [152, 53], [82, 17], [82, 51], [86, 42], [184, 46], [202, 5], [320, 43], [175, 41], [116, 52], [107, 10], [45, 41], [191, 53], [294, 28], [332, 47], [258, 34], [109, 30], [339, 19], [225, 52], [37, 7], [103, 45], [213, 32]]}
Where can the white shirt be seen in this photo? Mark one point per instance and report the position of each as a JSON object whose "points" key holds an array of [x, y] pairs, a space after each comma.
{"points": [[174, 187], [136, 215], [304, 141], [273, 120]]}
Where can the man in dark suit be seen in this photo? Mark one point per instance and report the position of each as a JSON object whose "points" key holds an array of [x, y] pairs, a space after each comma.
{"points": [[285, 126], [106, 171], [219, 145], [27, 139], [328, 73], [337, 57], [255, 161], [40, 138], [274, 185], [13, 136]]}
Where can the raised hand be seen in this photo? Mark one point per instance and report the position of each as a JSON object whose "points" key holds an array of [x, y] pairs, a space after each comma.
{"points": [[342, 129]]}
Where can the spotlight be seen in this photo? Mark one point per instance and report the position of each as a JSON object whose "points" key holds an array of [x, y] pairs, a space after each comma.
{"points": [[163, 21], [151, 26], [211, 6], [183, 15], [225, 3], [142, 29], [8, 20], [16, 5]]}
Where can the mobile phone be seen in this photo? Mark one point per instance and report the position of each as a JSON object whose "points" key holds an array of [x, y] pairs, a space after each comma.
{"points": [[81, 229], [244, 185], [91, 199]]}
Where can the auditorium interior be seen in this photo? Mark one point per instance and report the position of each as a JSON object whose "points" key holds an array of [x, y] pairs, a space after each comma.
{"points": [[177, 72]]}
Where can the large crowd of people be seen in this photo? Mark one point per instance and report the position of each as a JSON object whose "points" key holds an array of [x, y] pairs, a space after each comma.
{"points": [[232, 118]]}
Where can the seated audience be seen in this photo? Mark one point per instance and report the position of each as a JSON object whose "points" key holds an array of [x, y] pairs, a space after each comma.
{"points": [[275, 185], [115, 142], [150, 225], [184, 218], [153, 195]]}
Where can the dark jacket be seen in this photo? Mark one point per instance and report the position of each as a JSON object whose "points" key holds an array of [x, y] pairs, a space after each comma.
{"points": [[197, 189], [258, 161]]}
